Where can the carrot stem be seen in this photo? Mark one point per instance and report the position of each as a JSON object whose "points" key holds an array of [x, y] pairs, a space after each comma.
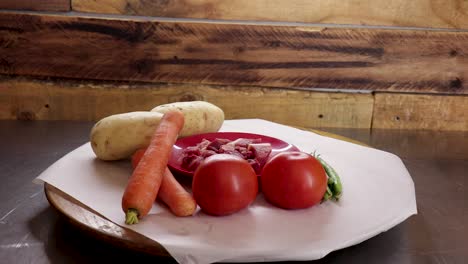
{"points": [[131, 217]]}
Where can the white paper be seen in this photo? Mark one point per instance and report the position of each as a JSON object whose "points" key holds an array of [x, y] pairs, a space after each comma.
{"points": [[378, 194]]}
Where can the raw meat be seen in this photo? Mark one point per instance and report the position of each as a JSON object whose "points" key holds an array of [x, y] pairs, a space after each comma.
{"points": [[252, 150]]}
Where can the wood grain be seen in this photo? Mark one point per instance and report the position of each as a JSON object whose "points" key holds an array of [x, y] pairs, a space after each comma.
{"points": [[36, 5], [416, 13], [32, 99], [27, 99], [99, 227], [411, 111], [234, 54]]}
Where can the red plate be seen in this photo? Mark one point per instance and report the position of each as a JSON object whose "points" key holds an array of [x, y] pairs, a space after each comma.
{"points": [[174, 164]]}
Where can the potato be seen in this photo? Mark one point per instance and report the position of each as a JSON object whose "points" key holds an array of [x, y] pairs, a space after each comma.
{"points": [[200, 116], [119, 136]]}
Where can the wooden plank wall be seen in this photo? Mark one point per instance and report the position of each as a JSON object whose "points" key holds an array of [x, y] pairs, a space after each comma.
{"points": [[202, 53], [420, 111], [29, 99], [32, 99], [37, 5], [354, 73], [414, 13]]}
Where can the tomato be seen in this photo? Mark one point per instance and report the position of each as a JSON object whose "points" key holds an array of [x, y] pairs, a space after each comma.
{"points": [[293, 180], [224, 184]]}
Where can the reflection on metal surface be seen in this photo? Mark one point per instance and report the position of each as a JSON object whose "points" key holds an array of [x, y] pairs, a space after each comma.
{"points": [[20, 245]]}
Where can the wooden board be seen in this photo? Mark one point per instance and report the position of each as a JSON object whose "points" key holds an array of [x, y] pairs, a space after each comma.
{"points": [[416, 13], [36, 5], [29, 99], [234, 54], [99, 227], [411, 111]]}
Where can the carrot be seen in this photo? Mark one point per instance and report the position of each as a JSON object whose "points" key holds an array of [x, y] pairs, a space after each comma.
{"points": [[143, 186], [136, 157], [179, 201]]}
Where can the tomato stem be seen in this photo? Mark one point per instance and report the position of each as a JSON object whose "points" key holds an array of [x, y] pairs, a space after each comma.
{"points": [[327, 195], [335, 187]]}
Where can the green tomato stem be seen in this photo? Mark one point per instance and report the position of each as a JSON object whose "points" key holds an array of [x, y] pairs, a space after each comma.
{"points": [[334, 181], [327, 195]]}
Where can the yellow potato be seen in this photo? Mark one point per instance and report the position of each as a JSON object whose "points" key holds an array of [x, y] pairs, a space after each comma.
{"points": [[200, 116], [119, 136]]}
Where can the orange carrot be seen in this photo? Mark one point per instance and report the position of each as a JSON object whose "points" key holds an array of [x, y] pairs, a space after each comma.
{"points": [[179, 201], [136, 157], [143, 186]]}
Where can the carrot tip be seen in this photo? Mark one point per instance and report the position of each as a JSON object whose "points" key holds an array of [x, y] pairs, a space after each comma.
{"points": [[131, 217]]}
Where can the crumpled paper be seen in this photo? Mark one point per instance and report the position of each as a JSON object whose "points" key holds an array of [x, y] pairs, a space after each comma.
{"points": [[378, 194]]}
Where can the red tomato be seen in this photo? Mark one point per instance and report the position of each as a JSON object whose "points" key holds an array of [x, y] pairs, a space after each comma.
{"points": [[293, 180], [224, 184]]}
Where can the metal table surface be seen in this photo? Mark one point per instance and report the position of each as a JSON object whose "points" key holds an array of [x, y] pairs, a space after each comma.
{"points": [[33, 232]]}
